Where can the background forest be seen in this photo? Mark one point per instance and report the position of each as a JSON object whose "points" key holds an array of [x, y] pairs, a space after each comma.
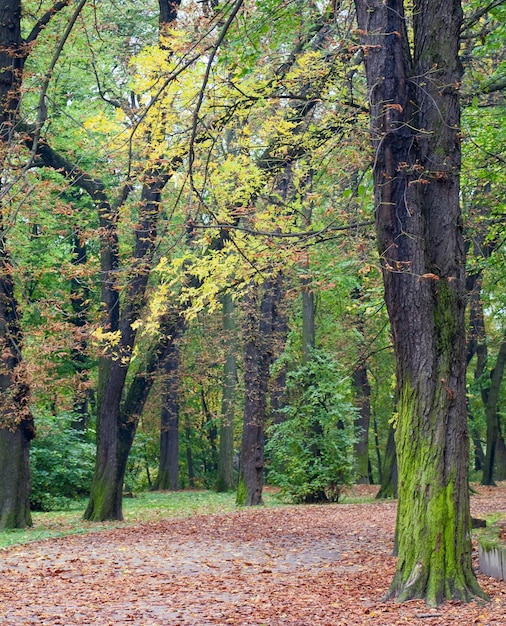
{"points": [[189, 260]]}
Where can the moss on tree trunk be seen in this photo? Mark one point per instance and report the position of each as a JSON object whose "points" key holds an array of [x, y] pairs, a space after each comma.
{"points": [[413, 81]]}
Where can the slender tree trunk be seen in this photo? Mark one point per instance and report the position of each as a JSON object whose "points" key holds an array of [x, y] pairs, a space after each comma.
{"points": [[225, 478], [362, 390], [362, 400], [500, 457], [168, 469], [477, 346], [389, 472], [189, 454], [492, 400], [172, 328], [414, 107], [80, 296], [308, 320]]}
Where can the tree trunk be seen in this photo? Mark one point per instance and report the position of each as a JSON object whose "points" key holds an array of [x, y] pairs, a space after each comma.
{"points": [[225, 477], [189, 455], [492, 400], [362, 400], [362, 390], [260, 345], [168, 469], [16, 423], [114, 435], [500, 459], [80, 297], [477, 345], [389, 472], [415, 117], [308, 319], [251, 470]]}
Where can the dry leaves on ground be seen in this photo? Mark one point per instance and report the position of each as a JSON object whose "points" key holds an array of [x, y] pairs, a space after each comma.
{"points": [[313, 565]]}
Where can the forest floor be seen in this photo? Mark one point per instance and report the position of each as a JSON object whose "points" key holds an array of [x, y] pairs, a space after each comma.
{"points": [[304, 566]]}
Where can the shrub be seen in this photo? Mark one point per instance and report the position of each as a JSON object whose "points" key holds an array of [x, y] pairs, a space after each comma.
{"points": [[311, 450], [62, 464]]}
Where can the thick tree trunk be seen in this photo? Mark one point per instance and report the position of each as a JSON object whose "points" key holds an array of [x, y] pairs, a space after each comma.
{"points": [[414, 108], [225, 477], [16, 424], [260, 346], [251, 470], [114, 436]]}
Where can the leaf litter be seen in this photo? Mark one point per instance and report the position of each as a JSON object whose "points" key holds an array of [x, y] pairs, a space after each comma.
{"points": [[301, 565]]}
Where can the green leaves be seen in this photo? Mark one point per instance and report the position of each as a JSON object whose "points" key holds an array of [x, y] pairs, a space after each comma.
{"points": [[310, 451]]}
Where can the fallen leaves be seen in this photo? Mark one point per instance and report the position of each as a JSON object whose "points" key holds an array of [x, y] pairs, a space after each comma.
{"points": [[313, 565]]}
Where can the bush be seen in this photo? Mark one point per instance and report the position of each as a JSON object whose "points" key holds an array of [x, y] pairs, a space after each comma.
{"points": [[62, 464], [311, 450]]}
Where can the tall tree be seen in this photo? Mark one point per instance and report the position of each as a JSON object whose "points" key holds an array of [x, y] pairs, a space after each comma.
{"points": [[115, 428], [16, 422], [225, 477], [172, 328], [413, 81]]}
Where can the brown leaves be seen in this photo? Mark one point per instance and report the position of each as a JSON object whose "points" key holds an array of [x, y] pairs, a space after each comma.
{"points": [[320, 565]]}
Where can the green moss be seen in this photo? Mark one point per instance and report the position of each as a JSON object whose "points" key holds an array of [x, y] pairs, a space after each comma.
{"points": [[433, 532], [445, 320], [489, 537], [242, 493]]}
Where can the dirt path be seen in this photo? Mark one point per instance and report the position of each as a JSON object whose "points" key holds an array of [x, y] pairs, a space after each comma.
{"points": [[317, 565]]}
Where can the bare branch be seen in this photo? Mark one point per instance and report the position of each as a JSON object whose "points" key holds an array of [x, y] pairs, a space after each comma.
{"points": [[45, 19]]}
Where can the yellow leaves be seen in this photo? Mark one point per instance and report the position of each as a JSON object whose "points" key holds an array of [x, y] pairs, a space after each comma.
{"points": [[307, 65], [233, 182], [106, 124], [106, 339]]}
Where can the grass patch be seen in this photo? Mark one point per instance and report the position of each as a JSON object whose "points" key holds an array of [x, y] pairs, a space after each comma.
{"points": [[493, 537], [145, 507], [150, 506]]}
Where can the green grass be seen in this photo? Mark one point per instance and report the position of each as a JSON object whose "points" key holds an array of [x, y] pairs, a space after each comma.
{"points": [[145, 507]]}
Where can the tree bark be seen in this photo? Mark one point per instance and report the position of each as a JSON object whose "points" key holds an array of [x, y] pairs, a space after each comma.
{"points": [[114, 434], [492, 400], [225, 477], [16, 423], [362, 401], [389, 471], [259, 349], [415, 117], [251, 469], [168, 468]]}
